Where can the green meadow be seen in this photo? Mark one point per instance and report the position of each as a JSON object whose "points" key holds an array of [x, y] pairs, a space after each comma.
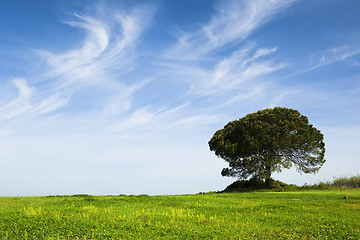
{"points": [[322, 214]]}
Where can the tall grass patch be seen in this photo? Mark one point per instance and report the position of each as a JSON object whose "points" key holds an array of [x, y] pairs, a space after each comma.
{"points": [[349, 182], [340, 182]]}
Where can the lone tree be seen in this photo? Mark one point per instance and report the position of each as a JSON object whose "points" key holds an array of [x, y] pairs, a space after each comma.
{"points": [[268, 141]]}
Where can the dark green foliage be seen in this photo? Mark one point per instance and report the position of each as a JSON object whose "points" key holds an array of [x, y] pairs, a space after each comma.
{"points": [[268, 141]]}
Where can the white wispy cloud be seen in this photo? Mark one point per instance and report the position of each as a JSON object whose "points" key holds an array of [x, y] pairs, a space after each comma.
{"points": [[19, 105], [95, 43], [216, 61], [165, 121], [278, 99], [107, 51], [229, 81], [230, 75], [149, 119], [233, 22], [28, 104], [108, 46], [329, 56], [241, 66], [121, 102], [253, 92], [333, 55]]}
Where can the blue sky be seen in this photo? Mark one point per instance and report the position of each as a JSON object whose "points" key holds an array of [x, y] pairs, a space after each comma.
{"points": [[122, 97]]}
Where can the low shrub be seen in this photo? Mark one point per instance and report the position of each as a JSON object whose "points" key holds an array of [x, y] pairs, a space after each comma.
{"points": [[258, 184]]}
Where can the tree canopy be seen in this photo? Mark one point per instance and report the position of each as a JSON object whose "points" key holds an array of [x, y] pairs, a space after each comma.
{"points": [[268, 141]]}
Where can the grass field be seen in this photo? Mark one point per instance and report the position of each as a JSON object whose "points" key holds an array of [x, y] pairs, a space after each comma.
{"points": [[255, 215]]}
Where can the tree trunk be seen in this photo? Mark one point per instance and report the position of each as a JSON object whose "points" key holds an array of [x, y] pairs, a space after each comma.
{"points": [[268, 177]]}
